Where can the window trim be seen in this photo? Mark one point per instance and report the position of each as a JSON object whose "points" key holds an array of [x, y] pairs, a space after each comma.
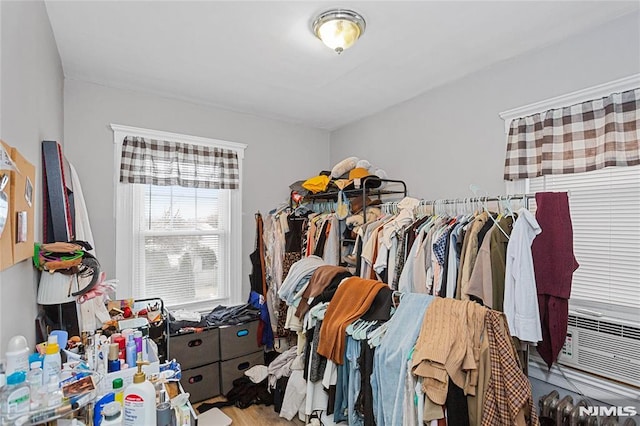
{"points": [[124, 203], [579, 96]]}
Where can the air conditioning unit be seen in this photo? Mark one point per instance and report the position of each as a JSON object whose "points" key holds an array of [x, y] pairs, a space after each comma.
{"points": [[604, 346]]}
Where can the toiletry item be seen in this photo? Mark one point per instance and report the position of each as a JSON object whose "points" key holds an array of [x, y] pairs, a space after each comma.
{"points": [[52, 363], [54, 393], [145, 348], [118, 390], [62, 336], [34, 379], [185, 415], [99, 406], [121, 342], [137, 337], [102, 358], [131, 351], [35, 357], [114, 360], [17, 355], [16, 397], [112, 414], [164, 413], [88, 339], [140, 401]]}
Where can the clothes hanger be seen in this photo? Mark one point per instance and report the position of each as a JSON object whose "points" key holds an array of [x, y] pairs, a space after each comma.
{"points": [[361, 332], [375, 337], [475, 190]]}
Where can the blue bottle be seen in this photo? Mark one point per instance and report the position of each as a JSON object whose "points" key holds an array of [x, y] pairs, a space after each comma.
{"points": [[131, 351]]}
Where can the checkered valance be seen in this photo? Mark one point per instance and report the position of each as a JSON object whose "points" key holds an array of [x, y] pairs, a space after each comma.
{"points": [[579, 138], [166, 163]]}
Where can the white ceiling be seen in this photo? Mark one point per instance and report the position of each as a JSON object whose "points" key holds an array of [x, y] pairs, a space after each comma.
{"points": [[261, 57]]}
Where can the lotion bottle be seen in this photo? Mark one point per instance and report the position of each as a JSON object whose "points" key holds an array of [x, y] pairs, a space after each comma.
{"points": [[52, 362], [140, 400]]}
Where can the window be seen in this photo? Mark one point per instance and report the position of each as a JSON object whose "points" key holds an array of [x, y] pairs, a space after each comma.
{"points": [[182, 244], [605, 206], [604, 203]]}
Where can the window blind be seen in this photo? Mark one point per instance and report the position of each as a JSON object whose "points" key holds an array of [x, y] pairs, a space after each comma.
{"points": [[181, 243], [605, 211]]}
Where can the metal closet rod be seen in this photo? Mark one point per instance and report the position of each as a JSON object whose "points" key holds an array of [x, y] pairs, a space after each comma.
{"points": [[523, 197], [485, 199]]}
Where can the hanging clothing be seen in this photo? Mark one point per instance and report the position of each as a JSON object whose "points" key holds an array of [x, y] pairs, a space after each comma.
{"points": [[520, 294], [469, 253], [320, 279], [498, 248], [352, 299], [258, 278], [481, 282], [508, 400], [448, 347], [554, 264], [390, 359], [298, 277]]}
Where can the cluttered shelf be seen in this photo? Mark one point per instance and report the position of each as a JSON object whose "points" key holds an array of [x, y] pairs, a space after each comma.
{"points": [[370, 185]]}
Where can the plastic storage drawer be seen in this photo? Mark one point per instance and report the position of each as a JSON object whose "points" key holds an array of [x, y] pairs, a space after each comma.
{"points": [[235, 368], [195, 349], [202, 382], [238, 340]]}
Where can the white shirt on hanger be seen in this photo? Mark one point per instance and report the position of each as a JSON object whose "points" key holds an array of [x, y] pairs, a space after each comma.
{"points": [[520, 294]]}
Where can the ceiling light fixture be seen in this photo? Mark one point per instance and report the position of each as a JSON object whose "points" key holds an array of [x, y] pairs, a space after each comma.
{"points": [[339, 28]]}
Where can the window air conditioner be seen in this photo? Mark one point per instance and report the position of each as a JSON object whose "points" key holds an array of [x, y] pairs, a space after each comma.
{"points": [[603, 346]]}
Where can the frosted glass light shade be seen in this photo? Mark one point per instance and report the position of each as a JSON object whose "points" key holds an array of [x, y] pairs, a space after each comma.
{"points": [[339, 29]]}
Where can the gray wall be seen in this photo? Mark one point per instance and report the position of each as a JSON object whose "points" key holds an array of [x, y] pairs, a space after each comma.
{"points": [[448, 138], [32, 111], [277, 154]]}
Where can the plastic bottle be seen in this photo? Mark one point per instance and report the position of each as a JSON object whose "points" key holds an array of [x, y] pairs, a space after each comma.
{"points": [[16, 397], [118, 390], [114, 361], [34, 379], [52, 362], [54, 393], [35, 358], [131, 351], [112, 414], [98, 406], [17, 355], [145, 350], [137, 337], [140, 401]]}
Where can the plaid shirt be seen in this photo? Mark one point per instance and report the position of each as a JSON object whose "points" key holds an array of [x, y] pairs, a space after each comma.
{"points": [[508, 390]]}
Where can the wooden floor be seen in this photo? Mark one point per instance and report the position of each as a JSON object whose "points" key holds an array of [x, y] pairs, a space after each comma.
{"points": [[252, 416]]}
